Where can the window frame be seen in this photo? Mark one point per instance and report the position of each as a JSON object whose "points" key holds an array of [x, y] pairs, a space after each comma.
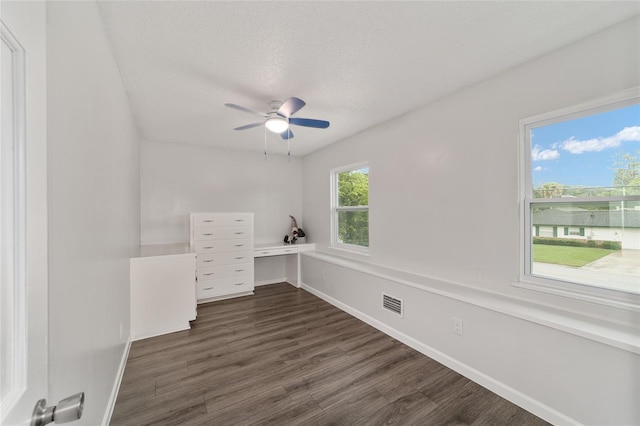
{"points": [[592, 293], [335, 209]]}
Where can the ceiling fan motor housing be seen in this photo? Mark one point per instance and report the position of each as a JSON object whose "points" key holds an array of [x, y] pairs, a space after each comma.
{"points": [[275, 105]]}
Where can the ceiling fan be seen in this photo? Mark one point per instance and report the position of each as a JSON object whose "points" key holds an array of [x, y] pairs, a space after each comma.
{"points": [[280, 117]]}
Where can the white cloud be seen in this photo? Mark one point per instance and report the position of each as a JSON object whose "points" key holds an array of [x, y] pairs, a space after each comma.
{"points": [[545, 154], [537, 169], [628, 134]]}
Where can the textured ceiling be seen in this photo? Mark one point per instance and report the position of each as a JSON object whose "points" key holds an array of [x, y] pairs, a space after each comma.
{"points": [[356, 64]]}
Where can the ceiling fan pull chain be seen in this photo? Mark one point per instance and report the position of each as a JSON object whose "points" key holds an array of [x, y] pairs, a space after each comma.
{"points": [[289, 145], [265, 143]]}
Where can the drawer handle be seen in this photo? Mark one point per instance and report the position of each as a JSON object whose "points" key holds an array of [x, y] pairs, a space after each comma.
{"points": [[239, 245], [239, 220], [239, 284], [239, 270], [209, 234], [287, 251], [209, 220], [208, 288], [208, 247], [207, 274], [266, 252], [238, 233], [239, 258], [207, 261]]}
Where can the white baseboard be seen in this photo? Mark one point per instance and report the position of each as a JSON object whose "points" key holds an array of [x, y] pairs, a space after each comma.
{"points": [[116, 385], [183, 327], [532, 405], [270, 281]]}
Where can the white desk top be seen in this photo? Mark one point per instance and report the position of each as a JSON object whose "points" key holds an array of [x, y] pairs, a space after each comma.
{"points": [[153, 250], [165, 250], [283, 245]]}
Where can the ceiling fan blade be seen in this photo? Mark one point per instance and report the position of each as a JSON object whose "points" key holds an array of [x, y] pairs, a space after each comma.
{"points": [[291, 106], [309, 122], [249, 110], [248, 126], [287, 134]]}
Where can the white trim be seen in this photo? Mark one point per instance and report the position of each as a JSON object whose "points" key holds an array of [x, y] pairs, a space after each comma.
{"points": [[534, 406], [350, 167], [605, 103], [270, 281], [597, 295], [19, 370], [593, 294], [111, 404], [624, 337], [346, 248]]}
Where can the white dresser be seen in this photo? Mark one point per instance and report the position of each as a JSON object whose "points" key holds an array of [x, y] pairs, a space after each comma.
{"points": [[223, 243]]}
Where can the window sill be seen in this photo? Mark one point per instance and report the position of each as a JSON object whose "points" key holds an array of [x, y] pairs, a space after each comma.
{"points": [[585, 293], [363, 254]]}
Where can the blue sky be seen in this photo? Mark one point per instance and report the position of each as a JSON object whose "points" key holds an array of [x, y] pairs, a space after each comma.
{"points": [[582, 152]]}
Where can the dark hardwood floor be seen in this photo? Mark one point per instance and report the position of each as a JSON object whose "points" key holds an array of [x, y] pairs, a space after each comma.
{"points": [[286, 357]]}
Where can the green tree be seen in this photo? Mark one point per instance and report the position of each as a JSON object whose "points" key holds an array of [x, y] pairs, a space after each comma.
{"points": [[353, 188], [353, 191], [549, 190], [627, 167]]}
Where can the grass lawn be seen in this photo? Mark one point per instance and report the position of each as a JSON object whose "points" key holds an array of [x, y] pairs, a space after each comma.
{"points": [[569, 256]]}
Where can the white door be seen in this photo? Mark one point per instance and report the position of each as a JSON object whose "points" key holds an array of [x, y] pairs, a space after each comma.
{"points": [[23, 215]]}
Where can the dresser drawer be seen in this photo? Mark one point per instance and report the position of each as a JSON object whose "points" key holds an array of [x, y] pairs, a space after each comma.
{"points": [[223, 287], [207, 260], [221, 219], [275, 251], [224, 271], [221, 233], [222, 245]]}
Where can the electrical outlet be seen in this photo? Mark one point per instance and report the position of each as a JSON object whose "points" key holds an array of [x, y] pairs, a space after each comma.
{"points": [[457, 326]]}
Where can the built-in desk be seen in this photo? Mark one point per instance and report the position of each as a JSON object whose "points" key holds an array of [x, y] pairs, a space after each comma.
{"points": [[163, 284], [163, 289], [291, 251]]}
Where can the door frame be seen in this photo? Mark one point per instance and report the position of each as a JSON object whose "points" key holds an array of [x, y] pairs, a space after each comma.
{"points": [[23, 30]]}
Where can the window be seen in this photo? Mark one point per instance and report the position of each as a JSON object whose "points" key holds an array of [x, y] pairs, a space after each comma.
{"points": [[581, 199], [350, 207]]}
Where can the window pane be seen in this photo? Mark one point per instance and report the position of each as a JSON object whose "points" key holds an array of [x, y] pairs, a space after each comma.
{"points": [[601, 246], [592, 156], [353, 188], [353, 227]]}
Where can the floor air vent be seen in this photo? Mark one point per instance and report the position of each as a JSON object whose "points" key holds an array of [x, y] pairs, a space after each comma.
{"points": [[392, 304]]}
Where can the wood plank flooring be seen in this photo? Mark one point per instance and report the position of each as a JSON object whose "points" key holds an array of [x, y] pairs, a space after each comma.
{"points": [[286, 357]]}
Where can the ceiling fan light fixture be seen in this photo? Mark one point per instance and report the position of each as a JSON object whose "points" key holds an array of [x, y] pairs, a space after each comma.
{"points": [[277, 124]]}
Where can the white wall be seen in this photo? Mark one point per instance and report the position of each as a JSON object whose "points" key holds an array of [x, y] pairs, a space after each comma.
{"points": [[444, 203], [177, 179], [93, 208]]}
